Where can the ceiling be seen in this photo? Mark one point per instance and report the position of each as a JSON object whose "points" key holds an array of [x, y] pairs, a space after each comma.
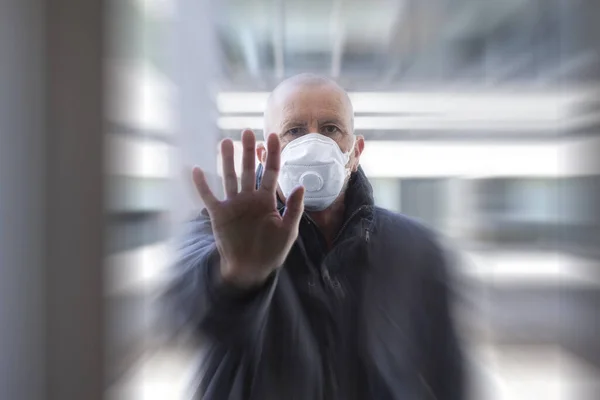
{"points": [[391, 44]]}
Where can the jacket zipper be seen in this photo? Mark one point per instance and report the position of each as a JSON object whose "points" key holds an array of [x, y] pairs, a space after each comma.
{"points": [[350, 218], [330, 282]]}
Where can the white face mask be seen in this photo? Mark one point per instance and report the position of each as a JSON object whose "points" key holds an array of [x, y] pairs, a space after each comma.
{"points": [[317, 163]]}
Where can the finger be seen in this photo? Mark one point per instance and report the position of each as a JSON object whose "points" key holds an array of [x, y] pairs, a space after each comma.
{"points": [[248, 161], [230, 183], [203, 189], [294, 207], [269, 179]]}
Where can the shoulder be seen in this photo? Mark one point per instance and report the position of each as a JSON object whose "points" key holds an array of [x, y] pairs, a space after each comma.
{"points": [[407, 239], [395, 227]]}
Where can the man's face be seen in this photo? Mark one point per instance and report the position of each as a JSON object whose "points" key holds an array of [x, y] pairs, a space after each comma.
{"points": [[296, 110]]}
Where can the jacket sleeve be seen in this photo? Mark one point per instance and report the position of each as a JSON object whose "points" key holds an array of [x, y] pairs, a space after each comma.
{"points": [[443, 371], [202, 301]]}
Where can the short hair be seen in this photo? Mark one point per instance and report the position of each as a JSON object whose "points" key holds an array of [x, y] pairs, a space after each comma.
{"points": [[304, 79]]}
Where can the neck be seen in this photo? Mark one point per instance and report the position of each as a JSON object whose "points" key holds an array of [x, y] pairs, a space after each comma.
{"points": [[330, 220]]}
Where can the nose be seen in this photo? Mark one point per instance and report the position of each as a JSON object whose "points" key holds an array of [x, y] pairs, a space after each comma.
{"points": [[313, 127]]}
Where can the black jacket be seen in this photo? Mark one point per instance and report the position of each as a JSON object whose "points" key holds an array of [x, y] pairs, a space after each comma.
{"points": [[368, 319]]}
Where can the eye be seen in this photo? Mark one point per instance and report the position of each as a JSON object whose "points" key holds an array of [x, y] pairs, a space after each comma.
{"points": [[330, 129], [294, 131]]}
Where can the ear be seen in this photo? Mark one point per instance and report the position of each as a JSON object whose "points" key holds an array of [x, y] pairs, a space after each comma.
{"points": [[261, 152], [359, 146]]}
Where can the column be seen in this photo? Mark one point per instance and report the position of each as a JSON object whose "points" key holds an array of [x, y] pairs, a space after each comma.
{"points": [[73, 181], [22, 142]]}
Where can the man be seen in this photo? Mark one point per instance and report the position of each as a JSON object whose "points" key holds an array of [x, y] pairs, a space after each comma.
{"points": [[300, 287]]}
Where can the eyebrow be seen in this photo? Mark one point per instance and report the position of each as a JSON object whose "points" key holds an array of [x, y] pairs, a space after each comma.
{"points": [[300, 123], [335, 121], [292, 122]]}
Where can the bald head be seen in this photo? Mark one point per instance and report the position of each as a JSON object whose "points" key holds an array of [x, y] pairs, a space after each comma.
{"points": [[288, 98]]}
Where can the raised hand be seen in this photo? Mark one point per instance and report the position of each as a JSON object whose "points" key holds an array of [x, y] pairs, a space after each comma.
{"points": [[251, 237]]}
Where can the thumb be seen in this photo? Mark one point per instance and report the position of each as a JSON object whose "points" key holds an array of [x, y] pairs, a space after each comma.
{"points": [[294, 206]]}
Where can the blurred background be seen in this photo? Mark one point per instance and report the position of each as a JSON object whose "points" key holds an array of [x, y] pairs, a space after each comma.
{"points": [[481, 119]]}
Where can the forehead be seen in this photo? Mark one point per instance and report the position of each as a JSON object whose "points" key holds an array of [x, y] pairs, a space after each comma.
{"points": [[310, 101]]}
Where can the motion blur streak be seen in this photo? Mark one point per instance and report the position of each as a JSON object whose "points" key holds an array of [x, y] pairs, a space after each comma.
{"points": [[481, 119]]}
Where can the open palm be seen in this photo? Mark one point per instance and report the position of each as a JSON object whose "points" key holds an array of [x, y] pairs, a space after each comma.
{"points": [[251, 237]]}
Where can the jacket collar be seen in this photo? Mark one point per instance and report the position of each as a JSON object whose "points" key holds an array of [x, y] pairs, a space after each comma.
{"points": [[359, 192]]}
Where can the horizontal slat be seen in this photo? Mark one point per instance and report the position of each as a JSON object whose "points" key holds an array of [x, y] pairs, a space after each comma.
{"points": [[138, 270], [128, 155], [474, 159], [126, 194], [128, 231], [463, 159], [488, 103], [139, 96], [540, 124], [530, 268], [139, 133]]}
